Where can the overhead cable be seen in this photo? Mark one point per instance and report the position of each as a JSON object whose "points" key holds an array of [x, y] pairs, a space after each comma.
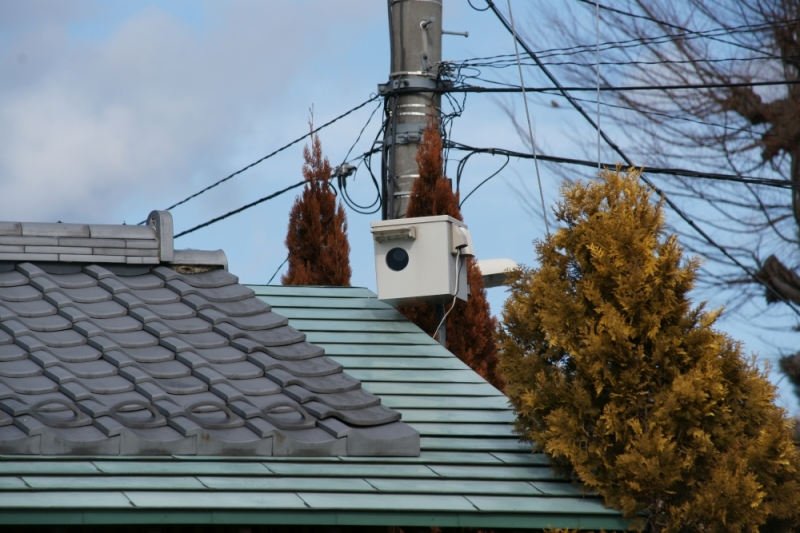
{"points": [[766, 25], [561, 89], [659, 39], [239, 210], [628, 161], [505, 63], [765, 182], [528, 117], [279, 150]]}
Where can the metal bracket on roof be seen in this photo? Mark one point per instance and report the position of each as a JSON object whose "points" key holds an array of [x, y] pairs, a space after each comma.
{"points": [[161, 221]]}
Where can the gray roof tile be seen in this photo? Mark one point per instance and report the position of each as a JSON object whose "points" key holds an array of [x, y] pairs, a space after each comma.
{"points": [[316, 366], [151, 354], [31, 308], [19, 293], [91, 369], [223, 355], [113, 231], [80, 241], [87, 295], [59, 339], [102, 309], [280, 336], [249, 307], [12, 352], [44, 323], [75, 354], [115, 359], [355, 399], [19, 240], [10, 228], [239, 370], [20, 368], [120, 324], [172, 311], [166, 369], [156, 296], [31, 385], [255, 386], [12, 279], [39, 229], [295, 352], [211, 279]]}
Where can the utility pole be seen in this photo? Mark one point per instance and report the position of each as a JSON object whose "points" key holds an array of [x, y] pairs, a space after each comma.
{"points": [[415, 34]]}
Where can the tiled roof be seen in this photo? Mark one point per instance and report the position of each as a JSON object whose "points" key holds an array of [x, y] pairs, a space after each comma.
{"points": [[149, 244], [471, 472], [125, 358]]}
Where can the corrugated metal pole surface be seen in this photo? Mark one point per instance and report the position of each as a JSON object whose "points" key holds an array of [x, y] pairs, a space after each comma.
{"points": [[415, 33]]}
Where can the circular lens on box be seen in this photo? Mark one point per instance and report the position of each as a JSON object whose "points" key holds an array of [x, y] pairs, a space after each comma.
{"points": [[397, 259]]}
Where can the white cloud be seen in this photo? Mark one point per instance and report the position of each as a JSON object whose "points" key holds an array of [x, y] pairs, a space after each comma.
{"points": [[91, 126]]}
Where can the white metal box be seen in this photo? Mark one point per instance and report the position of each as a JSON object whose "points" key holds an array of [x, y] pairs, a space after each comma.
{"points": [[421, 260]]}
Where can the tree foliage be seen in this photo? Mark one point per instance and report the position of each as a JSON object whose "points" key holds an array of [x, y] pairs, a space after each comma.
{"points": [[746, 131], [470, 325], [319, 253], [628, 387]]}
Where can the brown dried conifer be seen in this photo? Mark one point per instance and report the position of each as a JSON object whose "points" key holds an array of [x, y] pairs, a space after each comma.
{"points": [[470, 325], [319, 253]]}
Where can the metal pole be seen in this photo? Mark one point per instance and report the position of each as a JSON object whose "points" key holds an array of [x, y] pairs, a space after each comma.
{"points": [[415, 32], [415, 36]]}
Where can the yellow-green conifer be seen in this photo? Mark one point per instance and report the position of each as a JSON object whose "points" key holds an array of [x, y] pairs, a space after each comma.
{"points": [[628, 387]]}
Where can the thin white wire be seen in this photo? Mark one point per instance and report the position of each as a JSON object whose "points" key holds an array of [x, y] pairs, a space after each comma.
{"points": [[452, 305], [597, 70], [528, 116]]}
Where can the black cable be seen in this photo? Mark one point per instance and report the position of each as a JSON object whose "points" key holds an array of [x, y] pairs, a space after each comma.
{"points": [[342, 180], [764, 182], [562, 89], [361, 132], [478, 186], [627, 160], [506, 63], [239, 210], [633, 43], [279, 150], [366, 159], [681, 28], [278, 270], [695, 121], [475, 8]]}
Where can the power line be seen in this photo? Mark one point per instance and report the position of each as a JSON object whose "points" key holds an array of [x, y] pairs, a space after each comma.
{"points": [[765, 182], [686, 119], [659, 39], [681, 28], [279, 150], [278, 270], [506, 63], [239, 210], [644, 178], [561, 89], [478, 186], [528, 116]]}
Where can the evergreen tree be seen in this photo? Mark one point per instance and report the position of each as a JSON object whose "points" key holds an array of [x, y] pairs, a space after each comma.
{"points": [[317, 236], [470, 325], [628, 388]]}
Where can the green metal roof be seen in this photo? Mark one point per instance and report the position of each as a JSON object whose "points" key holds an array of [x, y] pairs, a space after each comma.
{"points": [[472, 472]]}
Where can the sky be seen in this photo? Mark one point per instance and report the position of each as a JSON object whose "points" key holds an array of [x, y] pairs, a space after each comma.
{"points": [[109, 110]]}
